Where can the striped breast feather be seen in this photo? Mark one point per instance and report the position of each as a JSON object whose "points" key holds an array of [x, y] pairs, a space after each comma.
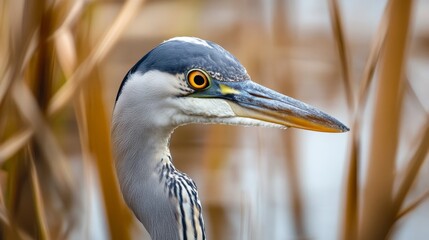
{"points": [[183, 193]]}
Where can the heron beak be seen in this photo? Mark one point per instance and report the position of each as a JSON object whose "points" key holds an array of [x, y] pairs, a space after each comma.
{"points": [[251, 100]]}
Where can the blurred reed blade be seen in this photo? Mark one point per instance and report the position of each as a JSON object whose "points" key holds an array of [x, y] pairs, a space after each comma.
{"points": [[282, 36], [22, 46], [412, 206], [216, 212], [337, 27], [3, 216], [5, 83], [30, 111], [13, 196], [82, 122], [4, 38], [350, 212], [374, 54], [3, 212], [377, 212], [352, 190], [17, 65], [29, 52], [413, 95], [64, 43], [351, 208], [4, 219], [408, 209], [350, 218], [99, 146], [66, 92], [14, 144], [72, 15], [295, 185], [38, 201], [412, 170], [64, 39]]}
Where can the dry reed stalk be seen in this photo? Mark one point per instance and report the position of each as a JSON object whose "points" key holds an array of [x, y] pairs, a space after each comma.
{"points": [[374, 55], [56, 159], [21, 46], [351, 208], [7, 225], [377, 214], [410, 92], [211, 157], [412, 170], [4, 218], [39, 73], [71, 16], [12, 230], [64, 43], [337, 27], [27, 42], [38, 201], [94, 134], [4, 38], [64, 40], [4, 42], [14, 144], [295, 187], [82, 123], [28, 106], [99, 145], [350, 214], [282, 40], [110, 38], [412, 206]]}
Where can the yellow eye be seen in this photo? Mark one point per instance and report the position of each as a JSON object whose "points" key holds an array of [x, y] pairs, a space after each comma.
{"points": [[197, 79]]}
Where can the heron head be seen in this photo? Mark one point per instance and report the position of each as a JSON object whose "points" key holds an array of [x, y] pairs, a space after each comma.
{"points": [[189, 80]]}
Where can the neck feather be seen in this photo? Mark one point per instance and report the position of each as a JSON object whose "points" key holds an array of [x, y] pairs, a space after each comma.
{"points": [[139, 155], [162, 198]]}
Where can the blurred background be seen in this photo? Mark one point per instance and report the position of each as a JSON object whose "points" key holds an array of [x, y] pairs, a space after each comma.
{"points": [[365, 62]]}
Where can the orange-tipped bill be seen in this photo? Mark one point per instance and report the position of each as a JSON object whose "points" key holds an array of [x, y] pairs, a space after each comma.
{"points": [[251, 100]]}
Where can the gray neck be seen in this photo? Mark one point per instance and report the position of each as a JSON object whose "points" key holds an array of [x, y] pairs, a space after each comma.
{"points": [[162, 198], [140, 153]]}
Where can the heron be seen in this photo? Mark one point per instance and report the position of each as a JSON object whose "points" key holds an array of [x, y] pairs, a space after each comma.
{"points": [[187, 80]]}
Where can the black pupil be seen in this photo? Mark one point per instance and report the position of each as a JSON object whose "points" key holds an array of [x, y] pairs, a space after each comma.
{"points": [[199, 80]]}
